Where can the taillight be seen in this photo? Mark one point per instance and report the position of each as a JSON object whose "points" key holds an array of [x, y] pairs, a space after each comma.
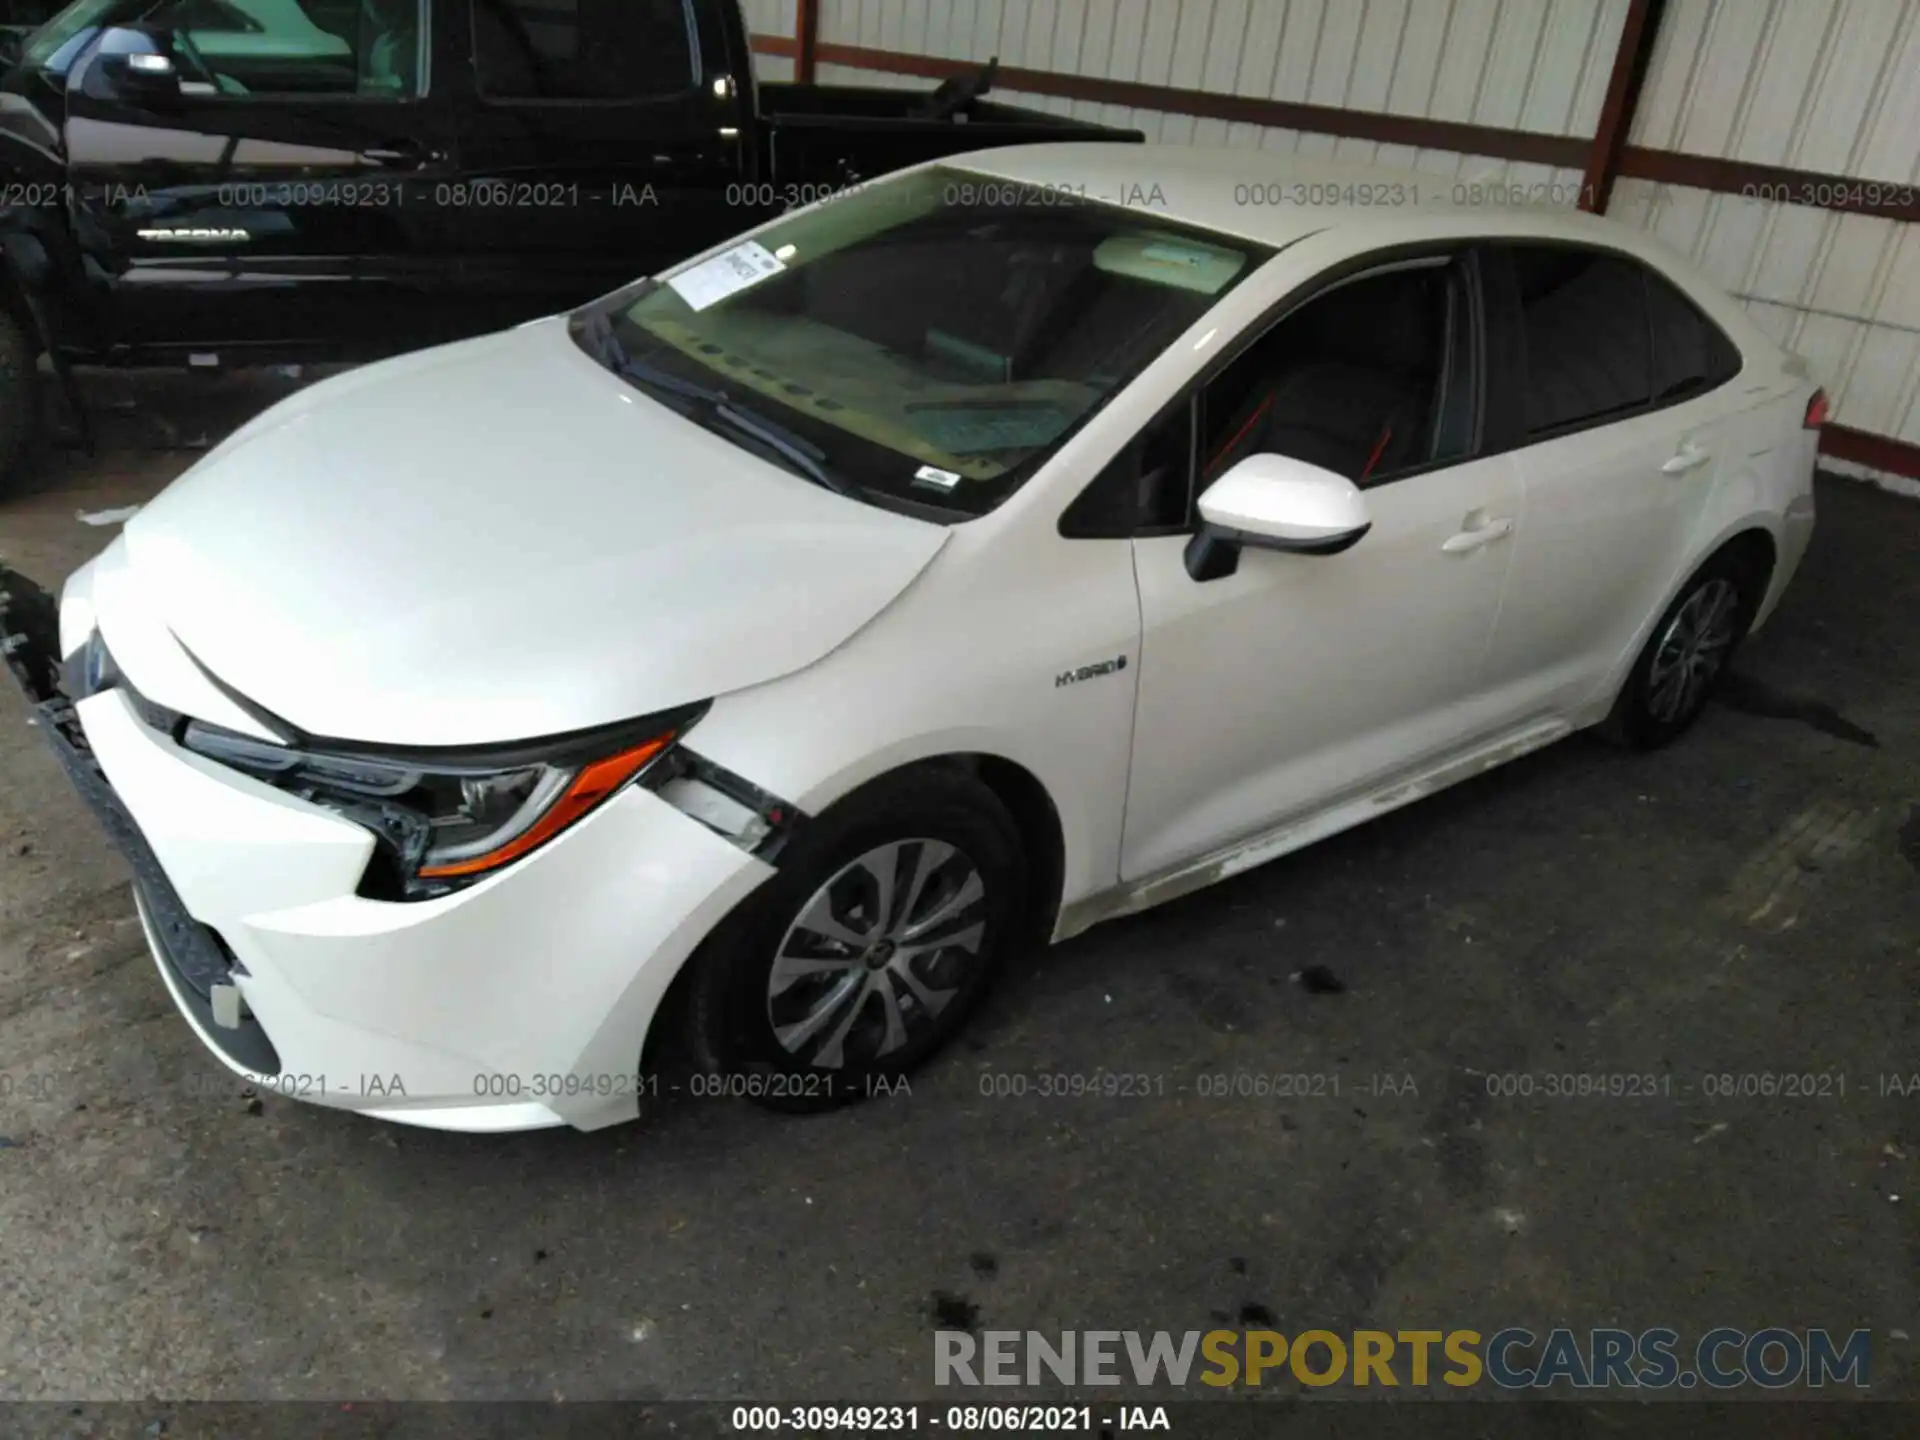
{"points": [[1816, 410]]}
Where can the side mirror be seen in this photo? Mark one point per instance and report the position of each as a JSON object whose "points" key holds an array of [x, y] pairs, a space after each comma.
{"points": [[136, 69], [145, 80], [1275, 502]]}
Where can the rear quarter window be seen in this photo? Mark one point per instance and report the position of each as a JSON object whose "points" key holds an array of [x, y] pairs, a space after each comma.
{"points": [[569, 50], [1691, 354]]}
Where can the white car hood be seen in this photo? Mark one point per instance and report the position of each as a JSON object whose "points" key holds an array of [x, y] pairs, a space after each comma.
{"points": [[499, 540]]}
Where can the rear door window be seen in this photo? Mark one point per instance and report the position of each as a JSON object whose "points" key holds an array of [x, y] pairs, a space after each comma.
{"points": [[1588, 346]]}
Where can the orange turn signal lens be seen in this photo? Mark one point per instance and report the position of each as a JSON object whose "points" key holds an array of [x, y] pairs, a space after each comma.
{"points": [[593, 784]]}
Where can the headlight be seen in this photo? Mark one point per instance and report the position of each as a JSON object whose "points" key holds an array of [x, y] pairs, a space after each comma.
{"points": [[90, 669], [446, 820]]}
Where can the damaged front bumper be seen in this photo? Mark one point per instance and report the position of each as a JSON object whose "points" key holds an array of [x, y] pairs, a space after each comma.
{"points": [[521, 1001], [197, 967]]}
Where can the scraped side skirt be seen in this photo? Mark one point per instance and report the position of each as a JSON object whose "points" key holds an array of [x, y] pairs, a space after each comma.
{"points": [[1297, 832]]}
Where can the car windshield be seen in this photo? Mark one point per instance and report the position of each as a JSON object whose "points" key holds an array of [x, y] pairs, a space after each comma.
{"points": [[923, 341], [51, 47]]}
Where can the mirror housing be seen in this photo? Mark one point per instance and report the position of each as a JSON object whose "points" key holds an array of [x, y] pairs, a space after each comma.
{"points": [[1275, 502], [137, 68]]}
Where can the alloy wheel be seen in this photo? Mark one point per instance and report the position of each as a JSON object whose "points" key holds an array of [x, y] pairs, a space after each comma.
{"points": [[877, 953], [1693, 650]]}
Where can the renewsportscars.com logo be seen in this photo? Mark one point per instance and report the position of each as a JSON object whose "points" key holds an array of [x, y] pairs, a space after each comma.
{"points": [[1512, 1359]]}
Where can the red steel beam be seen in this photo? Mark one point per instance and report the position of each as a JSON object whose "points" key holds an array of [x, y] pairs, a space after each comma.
{"points": [[1630, 61], [806, 37]]}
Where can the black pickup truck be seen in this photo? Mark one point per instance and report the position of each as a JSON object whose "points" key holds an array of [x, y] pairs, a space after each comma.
{"points": [[228, 182]]}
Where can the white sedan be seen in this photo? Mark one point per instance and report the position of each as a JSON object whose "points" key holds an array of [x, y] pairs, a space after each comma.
{"points": [[1007, 545]]}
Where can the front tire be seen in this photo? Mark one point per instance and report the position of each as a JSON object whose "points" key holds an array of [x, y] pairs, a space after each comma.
{"points": [[867, 951], [1686, 657], [21, 412]]}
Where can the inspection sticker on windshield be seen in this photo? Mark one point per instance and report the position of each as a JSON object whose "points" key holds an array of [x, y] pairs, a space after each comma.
{"points": [[936, 477], [713, 280]]}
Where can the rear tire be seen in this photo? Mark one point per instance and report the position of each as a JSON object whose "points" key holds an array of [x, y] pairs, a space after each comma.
{"points": [[866, 952], [1686, 656], [21, 402]]}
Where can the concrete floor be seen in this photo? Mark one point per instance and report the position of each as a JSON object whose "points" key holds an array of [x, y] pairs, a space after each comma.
{"points": [[1747, 901]]}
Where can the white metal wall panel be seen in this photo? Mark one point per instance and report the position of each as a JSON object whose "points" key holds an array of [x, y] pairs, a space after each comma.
{"points": [[1842, 290], [1536, 64], [771, 17], [1830, 86], [1826, 85]]}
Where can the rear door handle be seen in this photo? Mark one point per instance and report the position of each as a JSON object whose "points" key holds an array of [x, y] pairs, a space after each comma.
{"points": [[1473, 539], [1689, 457]]}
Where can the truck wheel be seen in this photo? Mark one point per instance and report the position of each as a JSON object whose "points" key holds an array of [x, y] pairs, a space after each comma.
{"points": [[21, 413]]}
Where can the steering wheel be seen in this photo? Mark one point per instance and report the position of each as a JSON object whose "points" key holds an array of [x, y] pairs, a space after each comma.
{"points": [[957, 92]]}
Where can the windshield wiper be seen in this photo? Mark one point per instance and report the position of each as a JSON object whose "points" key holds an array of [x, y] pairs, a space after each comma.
{"points": [[652, 377], [809, 459], [604, 345], [599, 332]]}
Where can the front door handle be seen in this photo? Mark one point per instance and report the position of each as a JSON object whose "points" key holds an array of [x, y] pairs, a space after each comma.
{"points": [[1689, 457], [399, 154], [1482, 535]]}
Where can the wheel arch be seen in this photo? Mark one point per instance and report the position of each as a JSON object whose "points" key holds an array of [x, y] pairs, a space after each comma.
{"points": [[1016, 786], [1027, 799], [1756, 550], [1042, 837], [1752, 538]]}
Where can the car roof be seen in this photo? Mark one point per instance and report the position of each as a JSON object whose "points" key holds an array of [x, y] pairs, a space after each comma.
{"points": [[1276, 198]]}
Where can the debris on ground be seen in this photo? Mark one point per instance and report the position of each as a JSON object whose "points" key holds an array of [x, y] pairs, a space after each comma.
{"points": [[107, 517], [1319, 980]]}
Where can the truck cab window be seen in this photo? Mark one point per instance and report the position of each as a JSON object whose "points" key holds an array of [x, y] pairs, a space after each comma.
{"points": [[366, 49], [583, 49]]}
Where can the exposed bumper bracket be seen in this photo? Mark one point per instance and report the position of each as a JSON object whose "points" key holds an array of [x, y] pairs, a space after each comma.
{"points": [[193, 955], [730, 805]]}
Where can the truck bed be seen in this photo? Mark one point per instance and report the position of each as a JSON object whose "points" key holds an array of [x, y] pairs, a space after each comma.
{"points": [[841, 133]]}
